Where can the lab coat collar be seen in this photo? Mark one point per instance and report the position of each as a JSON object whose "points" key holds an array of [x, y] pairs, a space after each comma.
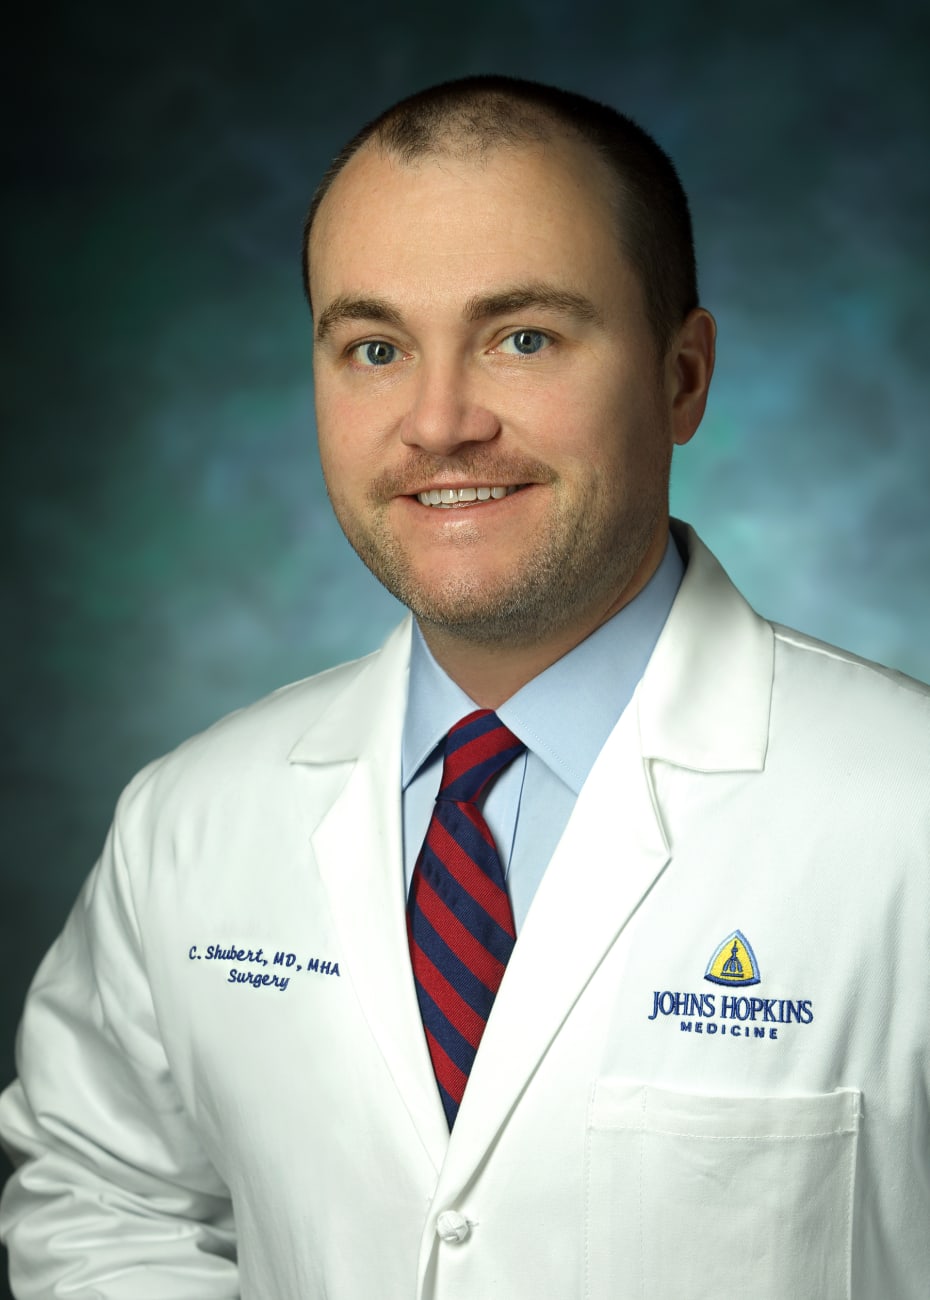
{"points": [[374, 697], [705, 698]]}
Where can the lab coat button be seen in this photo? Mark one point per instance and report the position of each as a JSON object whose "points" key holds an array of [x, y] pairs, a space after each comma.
{"points": [[452, 1227]]}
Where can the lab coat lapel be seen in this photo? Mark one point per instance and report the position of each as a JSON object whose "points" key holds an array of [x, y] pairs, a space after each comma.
{"points": [[357, 846], [703, 704], [611, 852]]}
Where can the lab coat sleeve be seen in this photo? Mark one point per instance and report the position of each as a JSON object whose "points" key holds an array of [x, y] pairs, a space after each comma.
{"points": [[113, 1194]]}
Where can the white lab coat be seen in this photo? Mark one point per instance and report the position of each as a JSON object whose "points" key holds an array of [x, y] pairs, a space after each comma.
{"points": [[630, 1129]]}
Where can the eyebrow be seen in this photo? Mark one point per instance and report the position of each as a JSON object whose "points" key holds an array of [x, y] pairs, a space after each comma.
{"points": [[346, 308], [536, 295], [520, 297]]}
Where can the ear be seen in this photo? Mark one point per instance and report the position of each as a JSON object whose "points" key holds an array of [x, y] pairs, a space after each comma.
{"points": [[689, 364]]}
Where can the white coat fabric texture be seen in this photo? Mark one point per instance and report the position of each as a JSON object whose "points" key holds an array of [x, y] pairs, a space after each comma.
{"points": [[224, 1086]]}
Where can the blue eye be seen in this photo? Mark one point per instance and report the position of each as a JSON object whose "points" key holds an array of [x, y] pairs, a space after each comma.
{"points": [[525, 342], [376, 353]]}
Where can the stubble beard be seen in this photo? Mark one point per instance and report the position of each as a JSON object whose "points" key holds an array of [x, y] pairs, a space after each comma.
{"points": [[578, 564]]}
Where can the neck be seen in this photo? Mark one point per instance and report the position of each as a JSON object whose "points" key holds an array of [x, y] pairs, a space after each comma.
{"points": [[490, 673]]}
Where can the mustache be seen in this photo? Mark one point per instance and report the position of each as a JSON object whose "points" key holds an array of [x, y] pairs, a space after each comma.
{"points": [[474, 465]]}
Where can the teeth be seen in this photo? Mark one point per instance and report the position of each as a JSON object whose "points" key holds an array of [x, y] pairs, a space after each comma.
{"points": [[454, 496]]}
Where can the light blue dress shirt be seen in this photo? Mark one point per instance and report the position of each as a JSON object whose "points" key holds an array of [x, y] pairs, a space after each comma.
{"points": [[563, 716]]}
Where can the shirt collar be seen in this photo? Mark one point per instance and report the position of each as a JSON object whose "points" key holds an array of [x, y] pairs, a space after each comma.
{"points": [[564, 715]]}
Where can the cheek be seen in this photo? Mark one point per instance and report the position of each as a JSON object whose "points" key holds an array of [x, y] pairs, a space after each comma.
{"points": [[585, 426], [353, 418], [341, 468], [342, 433]]}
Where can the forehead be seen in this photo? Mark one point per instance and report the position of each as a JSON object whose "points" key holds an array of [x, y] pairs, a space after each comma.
{"points": [[461, 225]]}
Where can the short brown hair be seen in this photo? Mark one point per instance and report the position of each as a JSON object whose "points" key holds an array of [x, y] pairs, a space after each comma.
{"points": [[476, 114]]}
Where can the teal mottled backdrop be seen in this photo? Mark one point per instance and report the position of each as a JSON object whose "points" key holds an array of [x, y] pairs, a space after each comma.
{"points": [[169, 553]]}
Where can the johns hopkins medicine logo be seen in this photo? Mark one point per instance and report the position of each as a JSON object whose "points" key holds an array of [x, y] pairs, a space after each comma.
{"points": [[733, 965], [734, 962]]}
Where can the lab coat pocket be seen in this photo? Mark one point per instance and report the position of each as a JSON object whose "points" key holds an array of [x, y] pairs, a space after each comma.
{"points": [[699, 1197]]}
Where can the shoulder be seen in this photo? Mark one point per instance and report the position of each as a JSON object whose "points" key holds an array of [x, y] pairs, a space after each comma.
{"points": [[821, 657], [251, 748], [729, 689], [835, 684], [716, 617], [851, 740]]}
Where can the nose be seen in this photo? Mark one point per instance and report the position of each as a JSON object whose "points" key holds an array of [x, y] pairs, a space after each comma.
{"points": [[445, 412]]}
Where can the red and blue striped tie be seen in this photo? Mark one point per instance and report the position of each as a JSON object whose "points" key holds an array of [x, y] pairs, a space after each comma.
{"points": [[459, 918]]}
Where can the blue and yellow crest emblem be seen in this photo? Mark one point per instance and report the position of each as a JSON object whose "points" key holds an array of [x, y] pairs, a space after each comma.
{"points": [[734, 962]]}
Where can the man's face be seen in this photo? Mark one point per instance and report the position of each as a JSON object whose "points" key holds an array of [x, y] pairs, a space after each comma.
{"points": [[495, 425]]}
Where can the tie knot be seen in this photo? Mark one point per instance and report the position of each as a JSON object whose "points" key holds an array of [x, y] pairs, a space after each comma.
{"points": [[477, 748]]}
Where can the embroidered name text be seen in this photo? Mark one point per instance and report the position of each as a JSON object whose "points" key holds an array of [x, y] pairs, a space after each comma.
{"points": [[258, 981]]}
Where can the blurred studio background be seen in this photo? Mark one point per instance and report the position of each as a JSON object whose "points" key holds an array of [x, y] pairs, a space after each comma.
{"points": [[169, 552]]}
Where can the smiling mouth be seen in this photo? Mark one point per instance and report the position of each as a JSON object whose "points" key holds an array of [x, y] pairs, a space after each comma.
{"points": [[449, 497]]}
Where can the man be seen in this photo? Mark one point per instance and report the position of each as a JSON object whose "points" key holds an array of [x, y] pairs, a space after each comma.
{"points": [[647, 1014]]}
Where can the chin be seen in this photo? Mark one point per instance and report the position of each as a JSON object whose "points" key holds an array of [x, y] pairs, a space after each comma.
{"points": [[510, 615]]}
